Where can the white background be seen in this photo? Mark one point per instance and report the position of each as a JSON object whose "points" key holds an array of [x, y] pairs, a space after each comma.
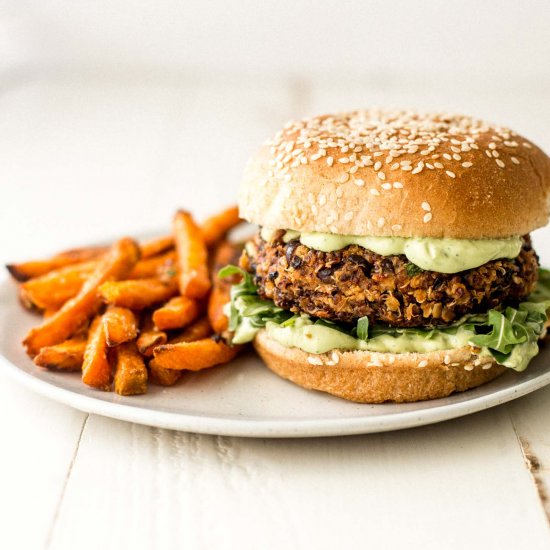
{"points": [[113, 113]]}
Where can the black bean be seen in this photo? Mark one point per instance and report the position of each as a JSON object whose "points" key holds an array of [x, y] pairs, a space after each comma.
{"points": [[295, 262], [325, 273]]}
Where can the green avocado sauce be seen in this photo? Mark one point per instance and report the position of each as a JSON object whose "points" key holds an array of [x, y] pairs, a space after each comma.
{"points": [[314, 338], [441, 255]]}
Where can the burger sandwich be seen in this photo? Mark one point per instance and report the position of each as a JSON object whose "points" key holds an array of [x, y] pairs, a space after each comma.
{"points": [[393, 260]]}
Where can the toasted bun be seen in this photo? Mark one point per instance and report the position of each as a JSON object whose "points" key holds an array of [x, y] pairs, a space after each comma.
{"points": [[372, 377], [397, 173]]}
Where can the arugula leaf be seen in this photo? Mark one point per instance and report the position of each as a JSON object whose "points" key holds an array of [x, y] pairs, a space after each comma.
{"points": [[412, 269], [363, 328], [249, 313]]}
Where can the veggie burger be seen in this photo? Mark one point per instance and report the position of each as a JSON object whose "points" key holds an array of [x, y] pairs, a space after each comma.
{"points": [[393, 259]]}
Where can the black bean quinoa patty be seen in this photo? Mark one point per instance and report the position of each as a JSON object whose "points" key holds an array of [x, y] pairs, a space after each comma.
{"points": [[354, 282]]}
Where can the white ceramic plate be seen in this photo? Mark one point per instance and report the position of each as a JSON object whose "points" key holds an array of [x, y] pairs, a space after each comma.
{"points": [[245, 398]]}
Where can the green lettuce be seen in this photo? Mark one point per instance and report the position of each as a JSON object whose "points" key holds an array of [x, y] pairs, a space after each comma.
{"points": [[510, 336]]}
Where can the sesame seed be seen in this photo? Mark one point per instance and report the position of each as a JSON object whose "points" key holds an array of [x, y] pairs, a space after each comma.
{"points": [[438, 165], [447, 359], [348, 216], [381, 222], [359, 182], [447, 156], [374, 192], [344, 177], [417, 170], [468, 367], [398, 185], [322, 199], [314, 360], [456, 156], [330, 161], [528, 145], [426, 206], [427, 217], [386, 186], [450, 174], [515, 160], [422, 364], [495, 154], [492, 145], [381, 175], [467, 164], [429, 166], [353, 169], [487, 366], [378, 165], [396, 227], [339, 192], [394, 166], [343, 160], [500, 163], [488, 153]]}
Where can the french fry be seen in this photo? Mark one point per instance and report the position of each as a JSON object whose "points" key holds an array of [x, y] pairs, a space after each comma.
{"points": [[96, 369], [194, 281], [150, 337], [66, 356], [197, 331], [156, 246], [177, 313], [163, 377], [75, 313], [120, 326], [216, 227], [137, 294], [168, 377], [226, 253], [28, 270], [153, 267], [52, 290], [198, 355], [130, 371]]}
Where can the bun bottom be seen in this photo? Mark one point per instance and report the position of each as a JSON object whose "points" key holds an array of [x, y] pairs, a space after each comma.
{"points": [[373, 377]]}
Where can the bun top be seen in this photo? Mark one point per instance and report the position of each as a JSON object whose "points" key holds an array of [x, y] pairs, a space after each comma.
{"points": [[398, 173]]}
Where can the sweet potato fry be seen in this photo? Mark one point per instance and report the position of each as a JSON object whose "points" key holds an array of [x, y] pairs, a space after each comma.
{"points": [[150, 337], [153, 267], [52, 290], [120, 326], [138, 294], [197, 331], [96, 369], [28, 270], [226, 253], [168, 377], [130, 371], [177, 313], [156, 246], [75, 313], [194, 356], [216, 227], [68, 355], [194, 281], [163, 377]]}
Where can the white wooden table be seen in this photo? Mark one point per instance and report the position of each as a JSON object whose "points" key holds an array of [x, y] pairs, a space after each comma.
{"points": [[82, 159]]}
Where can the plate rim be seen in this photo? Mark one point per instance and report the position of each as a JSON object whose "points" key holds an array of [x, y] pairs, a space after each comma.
{"points": [[255, 428]]}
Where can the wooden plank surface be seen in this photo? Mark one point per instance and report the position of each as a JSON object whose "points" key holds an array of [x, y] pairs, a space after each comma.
{"points": [[454, 485]]}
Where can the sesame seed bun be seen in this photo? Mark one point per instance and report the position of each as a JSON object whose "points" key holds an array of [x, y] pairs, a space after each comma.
{"points": [[372, 377], [397, 173]]}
